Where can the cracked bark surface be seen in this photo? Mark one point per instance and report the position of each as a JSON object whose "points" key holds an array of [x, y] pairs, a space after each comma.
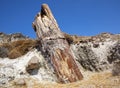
{"points": [[56, 47]]}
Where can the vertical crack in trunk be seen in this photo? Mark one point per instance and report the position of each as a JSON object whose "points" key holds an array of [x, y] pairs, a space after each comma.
{"points": [[53, 41]]}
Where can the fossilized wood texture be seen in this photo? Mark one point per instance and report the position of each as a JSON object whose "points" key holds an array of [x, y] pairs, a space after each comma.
{"points": [[55, 45]]}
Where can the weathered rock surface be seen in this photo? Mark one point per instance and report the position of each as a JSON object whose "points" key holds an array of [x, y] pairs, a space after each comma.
{"points": [[57, 48], [4, 38], [12, 69], [93, 58], [90, 60], [61, 57]]}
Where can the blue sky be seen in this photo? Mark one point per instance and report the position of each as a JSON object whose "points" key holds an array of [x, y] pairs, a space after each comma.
{"points": [[80, 17]]}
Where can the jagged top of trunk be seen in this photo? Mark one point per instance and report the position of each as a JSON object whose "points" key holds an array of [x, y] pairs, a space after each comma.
{"points": [[45, 11], [45, 24]]}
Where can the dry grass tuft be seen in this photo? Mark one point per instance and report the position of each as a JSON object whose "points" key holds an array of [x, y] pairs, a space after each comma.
{"points": [[18, 48], [72, 39], [14, 53], [96, 80]]}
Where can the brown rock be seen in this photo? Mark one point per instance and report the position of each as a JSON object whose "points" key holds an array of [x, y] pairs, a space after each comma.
{"points": [[33, 65]]}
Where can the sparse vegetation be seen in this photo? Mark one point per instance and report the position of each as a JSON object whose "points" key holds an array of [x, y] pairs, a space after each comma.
{"points": [[14, 53], [72, 39], [68, 38], [97, 80], [17, 48]]}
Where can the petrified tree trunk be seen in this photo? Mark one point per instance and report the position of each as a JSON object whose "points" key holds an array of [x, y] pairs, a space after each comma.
{"points": [[55, 45]]}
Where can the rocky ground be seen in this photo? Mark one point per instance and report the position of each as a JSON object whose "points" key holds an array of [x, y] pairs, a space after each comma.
{"points": [[97, 59]]}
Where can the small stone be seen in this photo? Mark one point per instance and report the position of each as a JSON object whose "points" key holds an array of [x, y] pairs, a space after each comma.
{"points": [[116, 68], [20, 81], [96, 45]]}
